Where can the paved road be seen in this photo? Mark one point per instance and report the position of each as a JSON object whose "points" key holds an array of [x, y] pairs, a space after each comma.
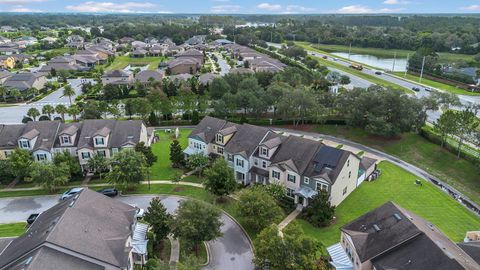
{"points": [[231, 251], [224, 66], [14, 114]]}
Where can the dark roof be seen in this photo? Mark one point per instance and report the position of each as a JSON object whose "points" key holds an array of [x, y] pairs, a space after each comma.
{"points": [[296, 152], [207, 128], [144, 76], [45, 131], [91, 225], [9, 135], [69, 129], [116, 73], [366, 163], [121, 132], [21, 81], [472, 249], [327, 163], [391, 237], [246, 140]]}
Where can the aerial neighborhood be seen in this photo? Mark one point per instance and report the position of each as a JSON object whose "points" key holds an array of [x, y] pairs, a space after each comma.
{"points": [[134, 139]]}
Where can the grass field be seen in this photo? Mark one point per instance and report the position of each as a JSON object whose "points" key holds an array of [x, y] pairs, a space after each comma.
{"points": [[355, 72], [397, 185], [121, 62], [439, 85], [162, 169], [390, 53], [12, 229], [413, 148]]}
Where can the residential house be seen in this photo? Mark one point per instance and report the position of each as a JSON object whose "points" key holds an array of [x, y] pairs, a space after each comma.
{"points": [[118, 77], [145, 76], [184, 65], [86, 232], [196, 40], [9, 48], [62, 63], [38, 137], [4, 75], [126, 40], [192, 53], [259, 155], [4, 40], [207, 78], [390, 237], [26, 41], [26, 80], [9, 135], [49, 40], [138, 53], [7, 62]]}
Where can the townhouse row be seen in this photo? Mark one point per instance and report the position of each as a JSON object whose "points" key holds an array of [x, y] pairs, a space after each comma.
{"points": [[82, 139], [259, 155]]}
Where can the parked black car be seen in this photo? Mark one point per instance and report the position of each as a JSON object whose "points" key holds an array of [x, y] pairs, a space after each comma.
{"points": [[110, 192], [416, 89], [31, 219]]}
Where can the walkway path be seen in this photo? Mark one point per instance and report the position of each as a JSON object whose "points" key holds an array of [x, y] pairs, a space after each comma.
{"points": [[290, 217], [174, 252]]}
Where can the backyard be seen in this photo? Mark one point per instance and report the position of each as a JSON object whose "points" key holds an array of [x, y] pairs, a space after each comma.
{"points": [[415, 149], [398, 185], [121, 62]]}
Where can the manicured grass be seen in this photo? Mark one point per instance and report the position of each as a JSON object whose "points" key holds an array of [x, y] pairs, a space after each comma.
{"points": [[12, 229], [21, 193], [413, 148], [194, 179], [121, 62], [397, 185], [355, 72], [171, 189], [162, 169], [439, 85]]}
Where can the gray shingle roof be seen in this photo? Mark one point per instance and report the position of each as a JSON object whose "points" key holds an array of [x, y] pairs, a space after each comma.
{"points": [[246, 139], [45, 131], [144, 76], [121, 132], [207, 128], [9, 135], [94, 226], [327, 163], [296, 151]]}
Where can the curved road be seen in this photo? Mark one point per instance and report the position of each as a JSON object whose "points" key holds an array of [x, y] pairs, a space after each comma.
{"points": [[231, 251]]}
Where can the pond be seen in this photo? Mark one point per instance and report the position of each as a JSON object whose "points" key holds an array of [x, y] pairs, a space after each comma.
{"points": [[381, 63]]}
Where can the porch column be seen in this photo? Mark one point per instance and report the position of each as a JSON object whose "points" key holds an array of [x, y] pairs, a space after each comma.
{"points": [[296, 199], [305, 202]]}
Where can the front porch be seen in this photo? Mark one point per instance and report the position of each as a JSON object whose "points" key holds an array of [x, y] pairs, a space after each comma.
{"points": [[340, 259], [303, 194]]}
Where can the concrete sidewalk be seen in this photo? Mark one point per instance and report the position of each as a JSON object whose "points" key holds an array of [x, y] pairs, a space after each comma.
{"points": [[174, 252], [293, 215]]}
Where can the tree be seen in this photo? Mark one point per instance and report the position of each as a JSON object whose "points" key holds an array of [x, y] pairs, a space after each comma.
{"points": [[62, 110], [319, 211], [287, 250], [344, 79], [150, 157], [176, 154], [71, 161], [33, 113], [49, 175], [98, 164], [73, 111], [128, 169], [258, 209], [3, 93], [197, 162], [158, 218], [19, 162], [195, 222], [467, 122], [446, 125], [48, 110], [220, 180], [218, 87], [69, 92]]}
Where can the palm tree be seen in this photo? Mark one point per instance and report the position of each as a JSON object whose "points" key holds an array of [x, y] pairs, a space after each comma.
{"points": [[3, 92], [68, 91], [16, 94], [33, 113], [73, 111], [48, 110], [62, 110]]}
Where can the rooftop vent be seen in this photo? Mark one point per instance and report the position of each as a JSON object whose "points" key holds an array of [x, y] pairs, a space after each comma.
{"points": [[44, 140], [130, 137], [397, 217], [376, 227]]}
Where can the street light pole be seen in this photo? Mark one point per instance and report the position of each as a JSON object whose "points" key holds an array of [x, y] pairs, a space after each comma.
{"points": [[349, 51], [406, 66], [421, 72], [394, 58]]}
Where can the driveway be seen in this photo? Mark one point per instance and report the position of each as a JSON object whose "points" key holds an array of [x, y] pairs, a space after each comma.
{"points": [[231, 251], [14, 114]]}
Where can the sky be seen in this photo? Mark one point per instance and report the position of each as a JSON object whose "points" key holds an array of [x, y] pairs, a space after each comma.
{"points": [[243, 6]]}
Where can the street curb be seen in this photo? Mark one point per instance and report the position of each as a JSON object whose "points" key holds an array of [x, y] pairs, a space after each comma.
{"points": [[244, 231], [207, 248]]}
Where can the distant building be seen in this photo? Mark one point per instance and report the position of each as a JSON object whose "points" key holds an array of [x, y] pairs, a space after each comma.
{"points": [[25, 80], [118, 77]]}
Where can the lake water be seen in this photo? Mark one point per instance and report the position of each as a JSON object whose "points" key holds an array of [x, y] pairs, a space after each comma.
{"points": [[381, 63]]}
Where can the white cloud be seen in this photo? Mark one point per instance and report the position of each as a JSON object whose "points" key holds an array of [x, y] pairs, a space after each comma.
{"points": [[298, 9], [395, 2], [472, 8], [358, 9], [269, 7], [24, 9], [127, 7], [225, 9], [20, 2]]}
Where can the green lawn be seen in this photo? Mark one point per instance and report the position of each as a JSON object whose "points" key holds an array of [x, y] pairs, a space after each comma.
{"points": [[397, 185], [439, 85], [162, 169], [121, 62], [413, 148], [12, 229], [370, 78]]}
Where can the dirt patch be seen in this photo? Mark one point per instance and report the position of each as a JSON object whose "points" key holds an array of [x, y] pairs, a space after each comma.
{"points": [[384, 139], [177, 189]]}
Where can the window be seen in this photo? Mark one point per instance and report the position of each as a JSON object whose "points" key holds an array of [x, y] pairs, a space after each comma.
{"points": [[219, 138], [220, 150], [114, 150], [99, 141], [25, 144], [85, 155], [349, 174], [239, 162], [101, 153], [264, 151], [289, 193], [41, 157], [230, 157], [255, 161], [291, 178], [7, 153], [264, 164], [348, 162], [321, 187], [276, 175], [306, 180], [65, 140], [240, 176], [344, 191]]}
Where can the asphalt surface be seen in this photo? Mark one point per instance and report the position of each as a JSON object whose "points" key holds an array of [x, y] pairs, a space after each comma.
{"points": [[231, 251], [14, 114]]}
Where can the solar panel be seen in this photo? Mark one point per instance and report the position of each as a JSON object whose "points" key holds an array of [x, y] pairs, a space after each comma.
{"points": [[327, 157]]}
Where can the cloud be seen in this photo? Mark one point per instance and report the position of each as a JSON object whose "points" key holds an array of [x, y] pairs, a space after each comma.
{"points": [[127, 7], [395, 2], [298, 9], [225, 9], [472, 8], [20, 2], [24, 9], [269, 7], [359, 9]]}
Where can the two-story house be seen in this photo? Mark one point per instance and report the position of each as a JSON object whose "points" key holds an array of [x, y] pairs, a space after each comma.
{"points": [[390, 237], [39, 138], [86, 232], [118, 77], [9, 135]]}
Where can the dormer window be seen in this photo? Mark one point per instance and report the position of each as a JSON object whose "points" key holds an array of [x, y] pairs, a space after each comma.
{"points": [[25, 144], [219, 138], [65, 139], [99, 141], [264, 151]]}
